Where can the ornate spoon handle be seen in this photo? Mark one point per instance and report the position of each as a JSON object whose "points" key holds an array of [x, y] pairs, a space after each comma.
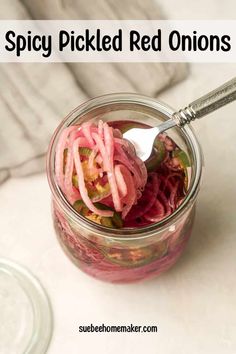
{"points": [[207, 103]]}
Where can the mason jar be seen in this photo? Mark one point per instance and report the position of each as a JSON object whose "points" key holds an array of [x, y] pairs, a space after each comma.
{"points": [[127, 254]]}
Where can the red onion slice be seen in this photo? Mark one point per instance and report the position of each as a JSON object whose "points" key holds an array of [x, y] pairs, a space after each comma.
{"points": [[156, 213], [147, 199]]}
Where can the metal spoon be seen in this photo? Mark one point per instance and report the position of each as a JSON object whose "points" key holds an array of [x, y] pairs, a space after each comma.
{"points": [[143, 139]]}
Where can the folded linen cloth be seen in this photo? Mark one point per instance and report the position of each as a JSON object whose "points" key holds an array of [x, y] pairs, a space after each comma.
{"points": [[100, 78], [35, 97]]}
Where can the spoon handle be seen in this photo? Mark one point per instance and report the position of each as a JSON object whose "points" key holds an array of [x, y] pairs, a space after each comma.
{"points": [[208, 103]]}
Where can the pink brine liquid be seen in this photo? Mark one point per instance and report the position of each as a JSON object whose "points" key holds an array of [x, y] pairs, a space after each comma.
{"points": [[165, 187]]}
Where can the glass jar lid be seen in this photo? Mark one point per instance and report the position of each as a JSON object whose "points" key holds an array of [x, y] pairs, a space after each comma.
{"points": [[25, 311]]}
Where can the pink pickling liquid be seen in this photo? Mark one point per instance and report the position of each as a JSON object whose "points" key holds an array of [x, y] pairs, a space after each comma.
{"points": [[122, 264]]}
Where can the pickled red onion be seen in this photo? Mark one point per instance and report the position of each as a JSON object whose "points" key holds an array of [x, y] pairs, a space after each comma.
{"points": [[101, 147], [109, 144], [59, 158], [156, 213], [86, 128], [113, 174], [147, 199], [100, 128], [120, 180], [121, 157], [71, 192], [130, 197], [92, 158], [173, 194]]}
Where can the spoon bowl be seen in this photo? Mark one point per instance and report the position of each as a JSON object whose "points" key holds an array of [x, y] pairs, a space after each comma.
{"points": [[143, 139]]}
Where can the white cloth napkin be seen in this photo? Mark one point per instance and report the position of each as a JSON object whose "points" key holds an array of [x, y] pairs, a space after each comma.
{"points": [[35, 97]]}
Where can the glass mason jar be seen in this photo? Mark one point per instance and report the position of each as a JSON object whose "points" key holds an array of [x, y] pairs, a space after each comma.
{"points": [[127, 254]]}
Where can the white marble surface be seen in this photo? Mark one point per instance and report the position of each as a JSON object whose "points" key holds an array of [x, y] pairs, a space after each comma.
{"points": [[194, 304]]}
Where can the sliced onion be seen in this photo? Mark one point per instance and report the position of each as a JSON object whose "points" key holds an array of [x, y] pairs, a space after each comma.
{"points": [[102, 150], [59, 158], [86, 129], [143, 170], [114, 159], [117, 133], [100, 128], [121, 157], [120, 180], [92, 158], [71, 192], [131, 196], [165, 203], [173, 195], [147, 199], [156, 213], [109, 144]]}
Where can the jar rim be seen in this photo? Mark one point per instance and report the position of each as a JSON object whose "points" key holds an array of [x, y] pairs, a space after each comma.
{"points": [[130, 233]]}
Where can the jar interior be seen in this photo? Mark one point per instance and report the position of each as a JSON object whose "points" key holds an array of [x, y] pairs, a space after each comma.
{"points": [[136, 108], [141, 114]]}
